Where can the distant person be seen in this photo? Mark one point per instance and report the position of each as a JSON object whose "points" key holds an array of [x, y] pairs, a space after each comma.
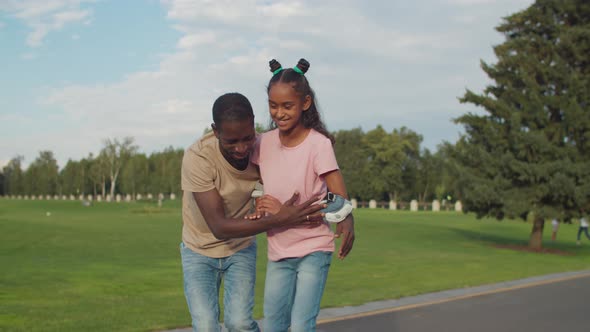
{"points": [[555, 228], [217, 243], [583, 229], [298, 156]]}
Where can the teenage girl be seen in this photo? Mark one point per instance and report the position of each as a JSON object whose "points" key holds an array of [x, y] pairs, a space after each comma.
{"points": [[297, 155]]}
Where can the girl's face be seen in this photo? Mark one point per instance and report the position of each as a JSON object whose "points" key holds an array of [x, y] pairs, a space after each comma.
{"points": [[286, 106]]}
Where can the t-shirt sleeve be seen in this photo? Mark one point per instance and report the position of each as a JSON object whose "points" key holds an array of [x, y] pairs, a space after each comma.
{"points": [[198, 173], [255, 157], [325, 159]]}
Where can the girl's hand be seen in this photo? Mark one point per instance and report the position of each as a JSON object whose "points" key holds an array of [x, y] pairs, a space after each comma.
{"points": [[254, 216], [345, 231], [267, 204]]}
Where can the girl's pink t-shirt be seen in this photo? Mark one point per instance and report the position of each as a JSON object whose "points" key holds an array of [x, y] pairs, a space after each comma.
{"points": [[285, 170]]}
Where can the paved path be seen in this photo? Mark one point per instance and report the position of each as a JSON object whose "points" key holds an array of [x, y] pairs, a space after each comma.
{"points": [[556, 302]]}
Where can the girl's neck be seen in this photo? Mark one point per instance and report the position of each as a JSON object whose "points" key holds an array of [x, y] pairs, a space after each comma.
{"points": [[294, 136]]}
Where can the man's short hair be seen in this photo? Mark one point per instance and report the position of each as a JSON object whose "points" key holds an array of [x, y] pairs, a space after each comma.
{"points": [[232, 107]]}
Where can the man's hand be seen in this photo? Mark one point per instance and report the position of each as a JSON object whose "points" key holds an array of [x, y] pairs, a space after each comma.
{"points": [[345, 230], [302, 214]]}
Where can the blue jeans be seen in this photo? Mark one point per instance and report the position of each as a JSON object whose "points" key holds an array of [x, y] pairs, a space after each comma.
{"points": [[202, 280], [583, 230], [293, 292]]}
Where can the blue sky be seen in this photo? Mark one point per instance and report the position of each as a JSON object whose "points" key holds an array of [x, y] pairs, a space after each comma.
{"points": [[75, 72]]}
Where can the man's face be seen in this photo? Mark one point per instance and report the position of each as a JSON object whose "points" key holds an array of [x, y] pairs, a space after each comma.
{"points": [[236, 140]]}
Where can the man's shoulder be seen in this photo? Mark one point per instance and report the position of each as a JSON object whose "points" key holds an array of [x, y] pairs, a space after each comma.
{"points": [[203, 146], [201, 153]]}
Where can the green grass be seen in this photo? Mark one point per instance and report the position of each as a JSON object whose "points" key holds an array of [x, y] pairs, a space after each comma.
{"points": [[116, 266]]}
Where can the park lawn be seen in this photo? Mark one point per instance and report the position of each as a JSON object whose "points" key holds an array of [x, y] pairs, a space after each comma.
{"points": [[116, 266]]}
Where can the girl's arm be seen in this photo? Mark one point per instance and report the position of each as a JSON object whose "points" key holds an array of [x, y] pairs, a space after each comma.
{"points": [[345, 228], [335, 183]]}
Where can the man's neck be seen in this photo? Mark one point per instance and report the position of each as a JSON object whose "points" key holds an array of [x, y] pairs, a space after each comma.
{"points": [[240, 165]]}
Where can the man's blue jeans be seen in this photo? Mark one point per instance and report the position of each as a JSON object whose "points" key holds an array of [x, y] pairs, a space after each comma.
{"points": [[293, 292], [202, 280]]}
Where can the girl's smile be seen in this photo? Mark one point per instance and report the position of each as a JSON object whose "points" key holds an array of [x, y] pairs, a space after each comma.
{"points": [[285, 106]]}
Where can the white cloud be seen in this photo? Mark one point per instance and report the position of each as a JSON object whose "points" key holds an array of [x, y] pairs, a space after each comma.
{"points": [[174, 106], [196, 39], [65, 17], [46, 16], [368, 67], [470, 2], [231, 53], [218, 10], [282, 9]]}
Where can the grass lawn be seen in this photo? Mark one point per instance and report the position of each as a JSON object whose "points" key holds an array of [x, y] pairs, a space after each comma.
{"points": [[116, 266]]}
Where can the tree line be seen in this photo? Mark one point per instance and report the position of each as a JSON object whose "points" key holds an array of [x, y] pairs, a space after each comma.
{"points": [[376, 165], [117, 169]]}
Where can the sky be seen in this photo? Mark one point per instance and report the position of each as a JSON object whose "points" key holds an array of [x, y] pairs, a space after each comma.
{"points": [[76, 72]]}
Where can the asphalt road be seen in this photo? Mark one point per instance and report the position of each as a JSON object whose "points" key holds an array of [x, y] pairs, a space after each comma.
{"points": [[550, 304]]}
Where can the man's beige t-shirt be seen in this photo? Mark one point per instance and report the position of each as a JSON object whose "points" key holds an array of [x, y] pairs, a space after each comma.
{"points": [[204, 168]]}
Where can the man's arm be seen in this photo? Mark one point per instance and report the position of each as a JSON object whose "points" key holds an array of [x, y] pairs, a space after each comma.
{"points": [[210, 204]]}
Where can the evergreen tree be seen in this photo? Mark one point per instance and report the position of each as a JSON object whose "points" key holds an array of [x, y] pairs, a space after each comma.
{"points": [[530, 151]]}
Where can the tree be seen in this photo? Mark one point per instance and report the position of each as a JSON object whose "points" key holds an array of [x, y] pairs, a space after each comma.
{"points": [[41, 178], [2, 193], [353, 159], [386, 159], [116, 154], [429, 175], [448, 183], [74, 177], [14, 177], [98, 171], [530, 152], [409, 141]]}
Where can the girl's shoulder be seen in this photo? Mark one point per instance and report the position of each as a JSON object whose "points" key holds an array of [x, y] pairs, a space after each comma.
{"points": [[316, 136], [268, 139], [269, 135]]}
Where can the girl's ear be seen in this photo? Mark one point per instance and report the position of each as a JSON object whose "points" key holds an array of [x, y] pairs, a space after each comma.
{"points": [[306, 103]]}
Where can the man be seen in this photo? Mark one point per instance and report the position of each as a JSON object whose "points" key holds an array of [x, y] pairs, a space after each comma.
{"points": [[217, 180]]}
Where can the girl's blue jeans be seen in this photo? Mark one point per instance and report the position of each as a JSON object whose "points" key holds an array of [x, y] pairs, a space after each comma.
{"points": [[202, 280], [293, 292]]}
